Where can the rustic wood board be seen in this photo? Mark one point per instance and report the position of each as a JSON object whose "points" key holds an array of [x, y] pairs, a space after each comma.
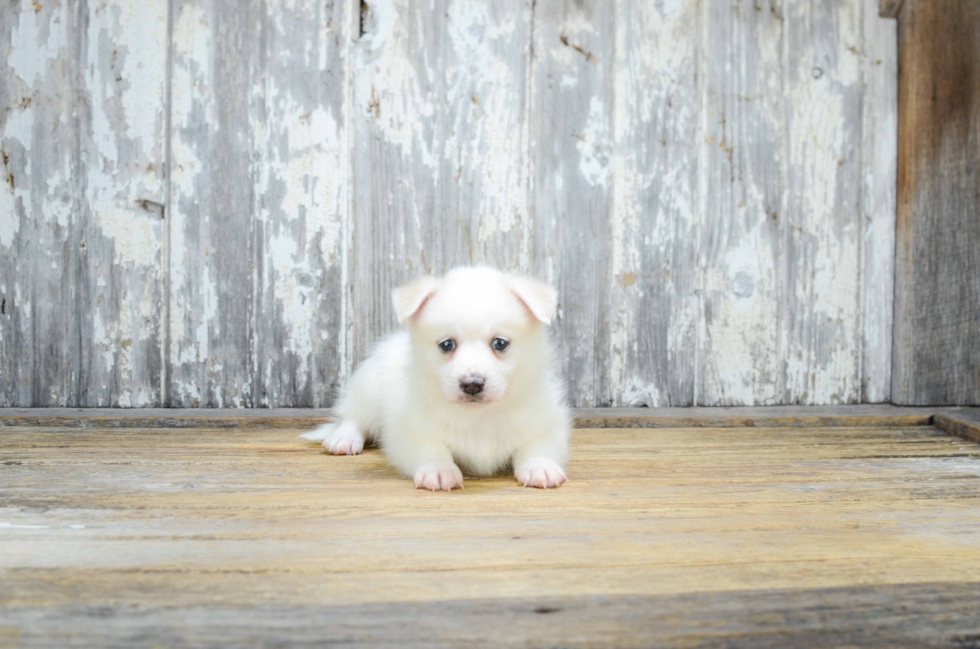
{"points": [[671, 537], [937, 275], [40, 228], [737, 417], [206, 203]]}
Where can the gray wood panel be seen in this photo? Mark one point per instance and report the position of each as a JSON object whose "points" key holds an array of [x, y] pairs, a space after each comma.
{"points": [[937, 274], [743, 183], [651, 287], [39, 214], [301, 179], [879, 130], [213, 227], [122, 217], [822, 228], [572, 95], [207, 203]]}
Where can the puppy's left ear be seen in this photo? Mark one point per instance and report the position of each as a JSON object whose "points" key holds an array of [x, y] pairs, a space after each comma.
{"points": [[409, 299], [539, 298]]}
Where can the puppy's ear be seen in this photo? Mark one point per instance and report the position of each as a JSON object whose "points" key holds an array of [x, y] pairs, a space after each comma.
{"points": [[409, 299], [539, 298]]}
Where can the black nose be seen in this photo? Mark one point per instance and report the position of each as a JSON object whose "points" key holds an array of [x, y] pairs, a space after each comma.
{"points": [[472, 385]]}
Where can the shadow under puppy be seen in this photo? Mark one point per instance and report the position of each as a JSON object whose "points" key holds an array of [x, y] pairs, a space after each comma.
{"points": [[470, 383]]}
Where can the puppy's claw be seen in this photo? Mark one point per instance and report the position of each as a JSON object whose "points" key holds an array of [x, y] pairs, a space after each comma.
{"points": [[439, 477], [344, 441], [542, 473]]}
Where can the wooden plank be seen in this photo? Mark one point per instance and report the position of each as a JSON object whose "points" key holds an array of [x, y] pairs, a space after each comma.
{"points": [[212, 199], [962, 423], [439, 146], [17, 207], [39, 229], [890, 8], [823, 207], [651, 299], [835, 536], [937, 278], [879, 152], [743, 156], [738, 417], [122, 216], [912, 615], [572, 149], [301, 178]]}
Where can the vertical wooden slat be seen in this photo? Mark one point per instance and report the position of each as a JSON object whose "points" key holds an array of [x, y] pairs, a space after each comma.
{"points": [[937, 278], [122, 108], [572, 157], [39, 201], [744, 154], [212, 237], [301, 190], [879, 152], [440, 174], [651, 299], [823, 211]]}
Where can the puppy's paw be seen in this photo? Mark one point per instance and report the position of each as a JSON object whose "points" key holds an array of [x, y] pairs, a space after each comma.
{"points": [[439, 476], [344, 441], [540, 472]]}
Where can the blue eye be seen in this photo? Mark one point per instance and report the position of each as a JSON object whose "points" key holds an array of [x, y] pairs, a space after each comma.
{"points": [[500, 344], [447, 345]]}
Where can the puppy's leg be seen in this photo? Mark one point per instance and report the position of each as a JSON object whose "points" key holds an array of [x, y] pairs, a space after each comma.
{"points": [[428, 461], [539, 462]]}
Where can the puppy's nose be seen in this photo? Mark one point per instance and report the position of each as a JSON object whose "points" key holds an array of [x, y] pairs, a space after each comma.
{"points": [[472, 385]]}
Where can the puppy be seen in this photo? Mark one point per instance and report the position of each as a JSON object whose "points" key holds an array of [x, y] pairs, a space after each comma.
{"points": [[469, 385]]}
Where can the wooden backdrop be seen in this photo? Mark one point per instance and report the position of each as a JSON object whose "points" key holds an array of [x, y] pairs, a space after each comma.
{"points": [[206, 202]]}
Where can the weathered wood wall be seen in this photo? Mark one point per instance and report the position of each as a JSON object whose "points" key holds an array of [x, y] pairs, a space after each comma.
{"points": [[937, 304], [206, 202]]}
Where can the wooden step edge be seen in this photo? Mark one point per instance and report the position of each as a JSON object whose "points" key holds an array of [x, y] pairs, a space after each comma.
{"points": [[697, 417], [965, 424]]}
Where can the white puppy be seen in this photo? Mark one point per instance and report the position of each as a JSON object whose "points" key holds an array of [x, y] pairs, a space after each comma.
{"points": [[470, 384]]}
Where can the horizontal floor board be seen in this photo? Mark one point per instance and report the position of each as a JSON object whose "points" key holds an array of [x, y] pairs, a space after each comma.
{"points": [[803, 536]]}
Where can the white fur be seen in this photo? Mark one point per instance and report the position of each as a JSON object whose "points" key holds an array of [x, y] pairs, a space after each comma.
{"points": [[408, 396]]}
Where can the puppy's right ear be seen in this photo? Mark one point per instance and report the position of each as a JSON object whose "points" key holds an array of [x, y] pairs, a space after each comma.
{"points": [[409, 299]]}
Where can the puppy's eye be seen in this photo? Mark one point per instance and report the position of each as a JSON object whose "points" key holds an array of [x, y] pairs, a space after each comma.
{"points": [[500, 344], [447, 345]]}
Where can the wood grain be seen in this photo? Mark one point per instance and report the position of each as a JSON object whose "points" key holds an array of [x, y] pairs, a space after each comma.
{"points": [[734, 417], [837, 535], [207, 203], [962, 423], [879, 131], [938, 257], [122, 214], [650, 296], [572, 149], [40, 229], [823, 224], [301, 177], [743, 180], [213, 225]]}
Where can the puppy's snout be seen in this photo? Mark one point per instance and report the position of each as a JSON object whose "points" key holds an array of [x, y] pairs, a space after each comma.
{"points": [[472, 385]]}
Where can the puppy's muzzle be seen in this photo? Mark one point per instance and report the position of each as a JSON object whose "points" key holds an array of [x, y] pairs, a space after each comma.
{"points": [[472, 385]]}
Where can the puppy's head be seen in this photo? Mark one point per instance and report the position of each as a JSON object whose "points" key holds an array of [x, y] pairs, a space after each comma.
{"points": [[477, 333]]}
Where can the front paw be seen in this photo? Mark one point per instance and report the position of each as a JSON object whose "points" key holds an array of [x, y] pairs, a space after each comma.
{"points": [[540, 472], [435, 477], [344, 441]]}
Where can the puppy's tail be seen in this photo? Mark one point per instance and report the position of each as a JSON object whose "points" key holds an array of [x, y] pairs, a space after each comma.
{"points": [[320, 433]]}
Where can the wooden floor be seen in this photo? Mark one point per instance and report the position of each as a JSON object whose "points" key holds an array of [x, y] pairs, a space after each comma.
{"points": [[739, 536]]}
